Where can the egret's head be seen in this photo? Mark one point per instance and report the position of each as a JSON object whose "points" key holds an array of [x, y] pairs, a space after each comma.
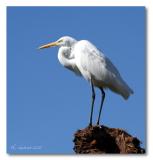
{"points": [[63, 41]]}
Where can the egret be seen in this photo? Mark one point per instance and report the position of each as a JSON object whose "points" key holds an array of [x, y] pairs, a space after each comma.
{"points": [[84, 59]]}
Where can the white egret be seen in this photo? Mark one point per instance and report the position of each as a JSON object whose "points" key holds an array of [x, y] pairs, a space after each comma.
{"points": [[83, 58]]}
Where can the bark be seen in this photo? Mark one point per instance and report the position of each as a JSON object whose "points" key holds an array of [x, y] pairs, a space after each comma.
{"points": [[102, 139]]}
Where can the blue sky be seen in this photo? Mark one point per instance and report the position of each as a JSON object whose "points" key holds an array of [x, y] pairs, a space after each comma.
{"points": [[47, 103]]}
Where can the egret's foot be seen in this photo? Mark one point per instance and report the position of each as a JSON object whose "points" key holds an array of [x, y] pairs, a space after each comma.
{"points": [[90, 125], [99, 125]]}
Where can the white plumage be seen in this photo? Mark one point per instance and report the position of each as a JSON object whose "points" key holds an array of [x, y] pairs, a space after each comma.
{"points": [[96, 66], [83, 58]]}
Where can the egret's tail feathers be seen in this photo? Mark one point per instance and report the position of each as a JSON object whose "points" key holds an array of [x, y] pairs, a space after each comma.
{"points": [[122, 88], [126, 91]]}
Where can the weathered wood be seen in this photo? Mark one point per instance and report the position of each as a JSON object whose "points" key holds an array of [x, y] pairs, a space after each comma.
{"points": [[102, 139]]}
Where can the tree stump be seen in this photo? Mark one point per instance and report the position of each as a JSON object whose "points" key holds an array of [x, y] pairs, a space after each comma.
{"points": [[102, 139]]}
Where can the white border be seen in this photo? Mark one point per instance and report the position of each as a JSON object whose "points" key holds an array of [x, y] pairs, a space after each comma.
{"points": [[74, 2], [4, 3]]}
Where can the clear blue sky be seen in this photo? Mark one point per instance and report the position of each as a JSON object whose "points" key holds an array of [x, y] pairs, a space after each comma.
{"points": [[47, 103]]}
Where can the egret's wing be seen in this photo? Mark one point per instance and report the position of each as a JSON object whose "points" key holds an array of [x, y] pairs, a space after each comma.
{"points": [[96, 63], [111, 67], [108, 64], [96, 66]]}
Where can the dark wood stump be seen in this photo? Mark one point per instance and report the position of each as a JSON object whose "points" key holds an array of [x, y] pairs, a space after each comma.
{"points": [[101, 139]]}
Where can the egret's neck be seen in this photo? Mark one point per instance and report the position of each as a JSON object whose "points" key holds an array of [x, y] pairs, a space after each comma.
{"points": [[65, 56]]}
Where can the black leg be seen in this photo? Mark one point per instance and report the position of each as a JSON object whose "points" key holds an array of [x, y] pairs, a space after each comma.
{"points": [[101, 105], [92, 103]]}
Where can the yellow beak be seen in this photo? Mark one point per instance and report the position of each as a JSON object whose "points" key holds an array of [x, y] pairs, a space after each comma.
{"points": [[49, 45]]}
